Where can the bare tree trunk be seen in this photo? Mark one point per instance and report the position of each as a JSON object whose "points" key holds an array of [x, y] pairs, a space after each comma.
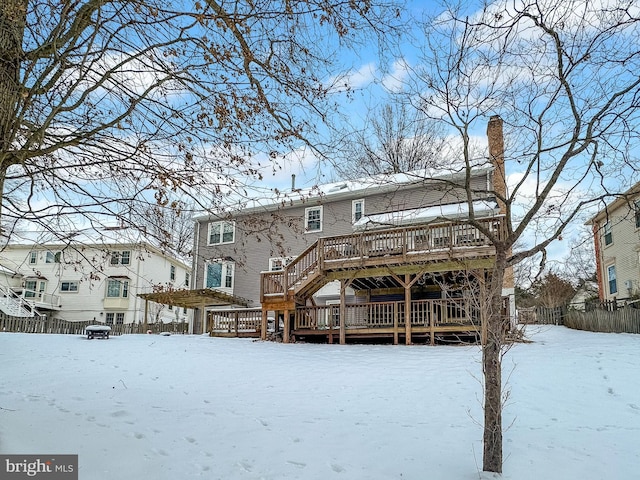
{"points": [[12, 23], [491, 363]]}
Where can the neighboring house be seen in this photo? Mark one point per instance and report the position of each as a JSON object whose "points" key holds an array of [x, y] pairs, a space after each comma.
{"points": [[364, 251], [586, 292], [616, 235], [90, 278]]}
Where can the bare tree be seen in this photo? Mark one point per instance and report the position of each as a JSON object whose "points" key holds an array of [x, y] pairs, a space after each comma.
{"points": [[112, 104], [170, 227], [552, 291], [397, 138], [559, 82]]}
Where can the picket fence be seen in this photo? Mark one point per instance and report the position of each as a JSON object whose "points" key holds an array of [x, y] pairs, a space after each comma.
{"points": [[58, 326], [622, 320]]}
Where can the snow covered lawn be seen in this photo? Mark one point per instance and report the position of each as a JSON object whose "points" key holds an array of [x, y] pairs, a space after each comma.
{"points": [[182, 407]]}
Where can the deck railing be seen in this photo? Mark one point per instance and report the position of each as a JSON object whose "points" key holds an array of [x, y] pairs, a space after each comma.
{"points": [[404, 241], [234, 321], [424, 313]]}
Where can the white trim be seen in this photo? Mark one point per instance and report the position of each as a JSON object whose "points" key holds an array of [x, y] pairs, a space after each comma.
{"points": [[221, 224], [227, 271], [307, 211], [354, 203]]}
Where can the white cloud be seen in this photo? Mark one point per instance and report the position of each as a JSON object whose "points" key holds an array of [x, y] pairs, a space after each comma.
{"points": [[394, 80]]}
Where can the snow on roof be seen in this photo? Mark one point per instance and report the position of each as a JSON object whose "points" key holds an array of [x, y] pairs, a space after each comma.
{"points": [[481, 208], [354, 188], [107, 237]]}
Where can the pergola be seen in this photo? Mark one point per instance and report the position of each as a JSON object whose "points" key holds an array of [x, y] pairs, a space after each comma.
{"points": [[200, 299]]}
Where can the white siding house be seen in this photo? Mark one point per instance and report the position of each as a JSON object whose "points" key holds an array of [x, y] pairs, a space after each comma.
{"points": [[616, 231], [92, 279]]}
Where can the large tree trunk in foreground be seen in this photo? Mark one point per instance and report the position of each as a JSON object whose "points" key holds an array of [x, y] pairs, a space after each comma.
{"points": [[491, 364], [12, 24]]}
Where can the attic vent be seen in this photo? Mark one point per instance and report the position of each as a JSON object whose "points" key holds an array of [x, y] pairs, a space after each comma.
{"points": [[337, 188]]}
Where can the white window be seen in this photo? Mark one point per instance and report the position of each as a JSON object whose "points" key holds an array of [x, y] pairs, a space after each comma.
{"points": [[119, 318], [172, 273], [313, 219], [110, 317], [69, 287], [219, 274], [34, 288], [117, 288], [221, 233], [53, 257], [611, 277], [278, 263], [357, 210], [637, 211], [186, 279], [608, 236], [33, 258], [121, 258]]}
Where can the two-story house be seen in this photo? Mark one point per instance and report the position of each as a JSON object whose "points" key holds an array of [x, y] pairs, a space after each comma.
{"points": [[616, 236], [393, 255], [89, 277]]}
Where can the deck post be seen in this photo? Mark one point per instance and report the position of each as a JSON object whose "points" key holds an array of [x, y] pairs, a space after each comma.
{"points": [[343, 312], [407, 308], [432, 324], [395, 323], [263, 325], [287, 327]]}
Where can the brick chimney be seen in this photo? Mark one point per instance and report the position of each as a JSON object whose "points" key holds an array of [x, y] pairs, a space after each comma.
{"points": [[496, 156]]}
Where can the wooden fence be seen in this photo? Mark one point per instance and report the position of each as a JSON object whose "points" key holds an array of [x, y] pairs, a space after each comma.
{"points": [[542, 315], [622, 320], [46, 325]]}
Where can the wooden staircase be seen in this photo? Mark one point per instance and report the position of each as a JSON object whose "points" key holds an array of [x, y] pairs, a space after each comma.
{"points": [[361, 254]]}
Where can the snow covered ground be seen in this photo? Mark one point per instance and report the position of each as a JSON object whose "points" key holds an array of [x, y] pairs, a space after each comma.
{"points": [[182, 407]]}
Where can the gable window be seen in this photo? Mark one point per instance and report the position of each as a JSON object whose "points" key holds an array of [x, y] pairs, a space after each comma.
{"points": [[219, 274], [357, 210], [69, 287], [637, 209], [121, 258], [313, 219], [117, 288], [611, 277], [33, 258], [222, 232], [53, 257], [608, 235], [172, 273]]}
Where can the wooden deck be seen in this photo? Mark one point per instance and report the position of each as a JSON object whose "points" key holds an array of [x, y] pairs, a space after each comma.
{"points": [[399, 251], [430, 319], [393, 258]]}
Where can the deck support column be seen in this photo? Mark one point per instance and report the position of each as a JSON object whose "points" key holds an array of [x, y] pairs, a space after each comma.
{"points": [[287, 327], [263, 325], [407, 308], [343, 312], [395, 323]]}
